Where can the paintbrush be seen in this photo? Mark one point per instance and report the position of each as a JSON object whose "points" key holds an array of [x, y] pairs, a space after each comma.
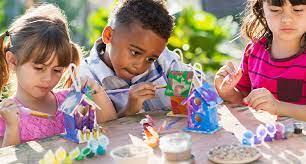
{"points": [[127, 89], [36, 113], [28, 111]]}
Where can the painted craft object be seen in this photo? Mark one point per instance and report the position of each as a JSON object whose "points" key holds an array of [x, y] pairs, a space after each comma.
{"points": [[263, 133], [178, 88], [61, 156], [79, 112], [202, 109], [150, 131]]}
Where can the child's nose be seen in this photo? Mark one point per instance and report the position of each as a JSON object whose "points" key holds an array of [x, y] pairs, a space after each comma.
{"points": [[139, 65], [286, 17], [47, 76]]}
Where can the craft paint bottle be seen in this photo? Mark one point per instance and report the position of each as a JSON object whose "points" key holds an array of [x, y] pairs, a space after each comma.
{"points": [[298, 127], [280, 131], [248, 138], [261, 133], [271, 129]]}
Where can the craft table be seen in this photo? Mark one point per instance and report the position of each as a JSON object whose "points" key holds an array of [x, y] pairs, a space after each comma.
{"points": [[232, 119]]}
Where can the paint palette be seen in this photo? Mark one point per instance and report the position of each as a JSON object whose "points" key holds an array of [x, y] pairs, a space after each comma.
{"points": [[233, 154]]}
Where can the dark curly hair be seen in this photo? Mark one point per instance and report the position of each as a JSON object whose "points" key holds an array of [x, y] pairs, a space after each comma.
{"points": [[152, 14], [254, 25]]}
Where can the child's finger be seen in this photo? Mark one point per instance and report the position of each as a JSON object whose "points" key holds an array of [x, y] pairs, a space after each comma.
{"points": [[235, 67], [225, 81], [11, 108], [228, 79], [145, 86], [253, 96], [236, 77], [247, 98], [230, 70], [239, 73], [231, 67], [147, 97], [262, 106], [14, 106], [223, 73], [258, 101], [145, 92], [84, 81], [7, 103], [8, 109]]}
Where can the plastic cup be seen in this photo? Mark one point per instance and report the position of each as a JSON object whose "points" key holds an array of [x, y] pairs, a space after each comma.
{"points": [[176, 147]]}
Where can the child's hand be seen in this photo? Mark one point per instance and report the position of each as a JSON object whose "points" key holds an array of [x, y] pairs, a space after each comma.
{"points": [[262, 99], [9, 112], [227, 78], [137, 95], [92, 84], [101, 99]]}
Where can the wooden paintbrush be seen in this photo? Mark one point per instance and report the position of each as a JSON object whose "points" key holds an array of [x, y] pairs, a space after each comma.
{"points": [[127, 89]]}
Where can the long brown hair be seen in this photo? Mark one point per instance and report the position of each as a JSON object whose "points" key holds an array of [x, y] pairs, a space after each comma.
{"points": [[38, 35], [254, 25]]}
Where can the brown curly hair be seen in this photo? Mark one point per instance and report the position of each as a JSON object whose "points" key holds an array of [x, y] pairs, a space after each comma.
{"points": [[254, 25], [152, 14]]}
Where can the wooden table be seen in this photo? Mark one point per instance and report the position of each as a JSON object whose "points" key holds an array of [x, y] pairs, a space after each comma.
{"points": [[233, 121]]}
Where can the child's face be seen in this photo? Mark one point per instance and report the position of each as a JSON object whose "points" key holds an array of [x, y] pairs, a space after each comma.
{"points": [[286, 22], [38, 80], [132, 50]]}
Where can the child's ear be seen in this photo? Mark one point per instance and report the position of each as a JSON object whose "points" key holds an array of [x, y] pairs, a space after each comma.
{"points": [[107, 34], [11, 60]]}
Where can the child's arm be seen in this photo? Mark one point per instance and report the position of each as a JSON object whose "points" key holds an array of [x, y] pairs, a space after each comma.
{"points": [[107, 111], [9, 112], [292, 110], [100, 97], [262, 99], [11, 136]]}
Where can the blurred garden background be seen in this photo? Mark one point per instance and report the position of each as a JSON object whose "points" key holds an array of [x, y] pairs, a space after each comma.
{"points": [[206, 30]]}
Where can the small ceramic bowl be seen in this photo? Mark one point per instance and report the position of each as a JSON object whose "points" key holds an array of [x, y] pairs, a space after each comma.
{"points": [[131, 154]]}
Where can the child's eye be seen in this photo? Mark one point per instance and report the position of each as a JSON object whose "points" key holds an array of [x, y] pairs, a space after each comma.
{"points": [[298, 10], [151, 60], [38, 68], [274, 10], [58, 71], [134, 53]]}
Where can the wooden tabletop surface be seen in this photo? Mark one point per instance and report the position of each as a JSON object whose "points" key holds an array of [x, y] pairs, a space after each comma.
{"points": [[232, 120]]}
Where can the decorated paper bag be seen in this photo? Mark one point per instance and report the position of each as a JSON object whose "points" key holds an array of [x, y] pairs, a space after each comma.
{"points": [[179, 83]]}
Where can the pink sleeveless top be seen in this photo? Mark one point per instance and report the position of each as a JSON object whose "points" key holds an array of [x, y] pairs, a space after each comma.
{"points": [[32, 127]]}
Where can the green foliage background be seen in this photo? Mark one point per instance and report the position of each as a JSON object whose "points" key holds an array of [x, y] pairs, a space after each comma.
{"points": [[198, 33]]}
